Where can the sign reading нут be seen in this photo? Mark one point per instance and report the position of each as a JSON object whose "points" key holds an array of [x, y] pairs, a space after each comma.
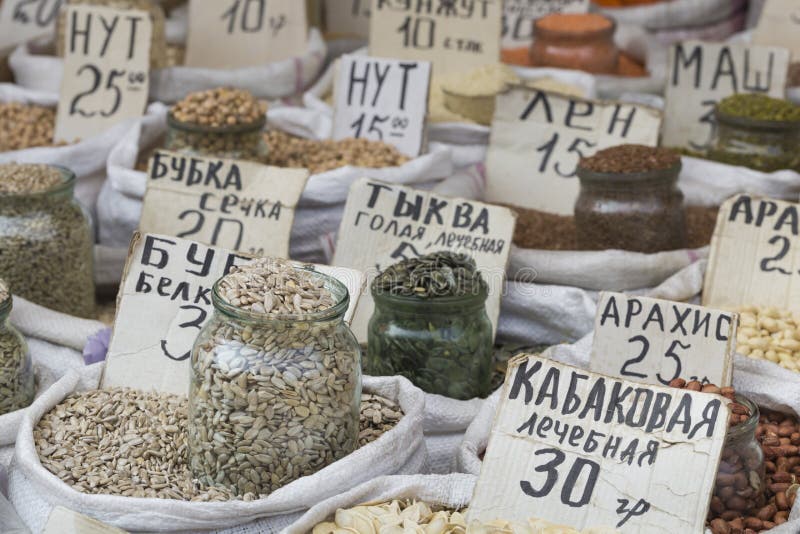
{"points": [[755, 257], [585, 450], [164, 300], [231, 34], [700, 74], [382, 100], [538, 138], [25, 20], [106, 70], [238, 205], [656, 341], [452, 35], [386, 223]]}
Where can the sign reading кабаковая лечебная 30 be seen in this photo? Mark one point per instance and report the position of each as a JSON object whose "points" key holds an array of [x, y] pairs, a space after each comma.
{"points": [[585, 450]]}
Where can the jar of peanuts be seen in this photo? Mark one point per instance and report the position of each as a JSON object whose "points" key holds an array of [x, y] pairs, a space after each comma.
{"points": [[740, 480]]}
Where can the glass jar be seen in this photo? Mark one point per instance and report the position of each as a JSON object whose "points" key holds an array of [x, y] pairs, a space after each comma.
{"points": [[640, 212], [47, 248], [158, 39], [762, 145], [243, 141], [272, 398], [741, 477], [443, 345], [17, 387], [589, 50]]}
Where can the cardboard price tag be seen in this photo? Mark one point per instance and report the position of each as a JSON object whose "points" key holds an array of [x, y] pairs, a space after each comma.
{"points": [[538, 138], [347, 18], [700, 74], [245, 32], [24, 20], [238, 205], [779, 25], [384, 224], [382, 100], [755, 256], [453, 36], [106, 70], [164, 300], [518, 17], [656, 341], [584, 450]]}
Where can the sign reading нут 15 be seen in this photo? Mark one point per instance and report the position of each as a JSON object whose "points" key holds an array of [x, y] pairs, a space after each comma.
{"points": [[584, 450], [700, 74], [755, 257], [454, 35]]}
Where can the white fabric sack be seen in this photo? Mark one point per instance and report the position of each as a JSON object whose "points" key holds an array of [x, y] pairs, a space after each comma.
{"points": [[451, 491], [673, 14], [34, 491], [273, 81], [87, 158], [708, 183]]}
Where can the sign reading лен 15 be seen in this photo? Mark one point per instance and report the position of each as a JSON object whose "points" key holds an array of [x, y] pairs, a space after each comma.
{"points": [[701, 74], [656, 341], [755, 257], [232, 34], [584, 450], [385, 223], [238, 205], [164, 300], [538, 138], [452, 35], [106, 70], [519, 15], [382, 100], [24, 20]]}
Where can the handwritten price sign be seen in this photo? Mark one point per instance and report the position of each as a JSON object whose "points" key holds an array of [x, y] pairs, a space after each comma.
{"points": [[24, 20]]}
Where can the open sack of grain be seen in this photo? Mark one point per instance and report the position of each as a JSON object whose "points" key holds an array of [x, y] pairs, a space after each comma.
{"points": [[768, 386], [56, 342], [29, 116], [273, 81], [34, 490]]}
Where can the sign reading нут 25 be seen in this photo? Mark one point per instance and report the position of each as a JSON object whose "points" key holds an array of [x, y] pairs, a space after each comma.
{"points": [[585, 450], [454, 35], [106, 70], [701, 74]]}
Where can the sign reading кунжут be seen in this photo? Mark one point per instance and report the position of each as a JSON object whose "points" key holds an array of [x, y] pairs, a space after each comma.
{"points": [[585, 450], [452, 35], [238, 205], [106, 70], [700, 74], [656, 341], [755, 257], [382, 100], [538, 138], [24, 20], [164, 300], [232, 34]]}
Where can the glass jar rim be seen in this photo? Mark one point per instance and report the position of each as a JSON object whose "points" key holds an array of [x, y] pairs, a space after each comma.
{"points": [[469, 300], [67, 184], [759, 124], [199, 128], [338, 291], [569, 33], [657, 175], [743, 429]]}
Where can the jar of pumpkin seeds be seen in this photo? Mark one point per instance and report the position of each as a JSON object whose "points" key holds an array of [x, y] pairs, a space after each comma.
{"points": [[430, 325], [275, 379], [158, 40], [17, 387], [46, 238]]}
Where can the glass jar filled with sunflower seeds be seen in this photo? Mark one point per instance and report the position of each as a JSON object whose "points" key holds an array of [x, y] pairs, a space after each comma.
{"points": [[275, 379], [46, 238], [222, 123], [17, 386], [430, 325]]}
